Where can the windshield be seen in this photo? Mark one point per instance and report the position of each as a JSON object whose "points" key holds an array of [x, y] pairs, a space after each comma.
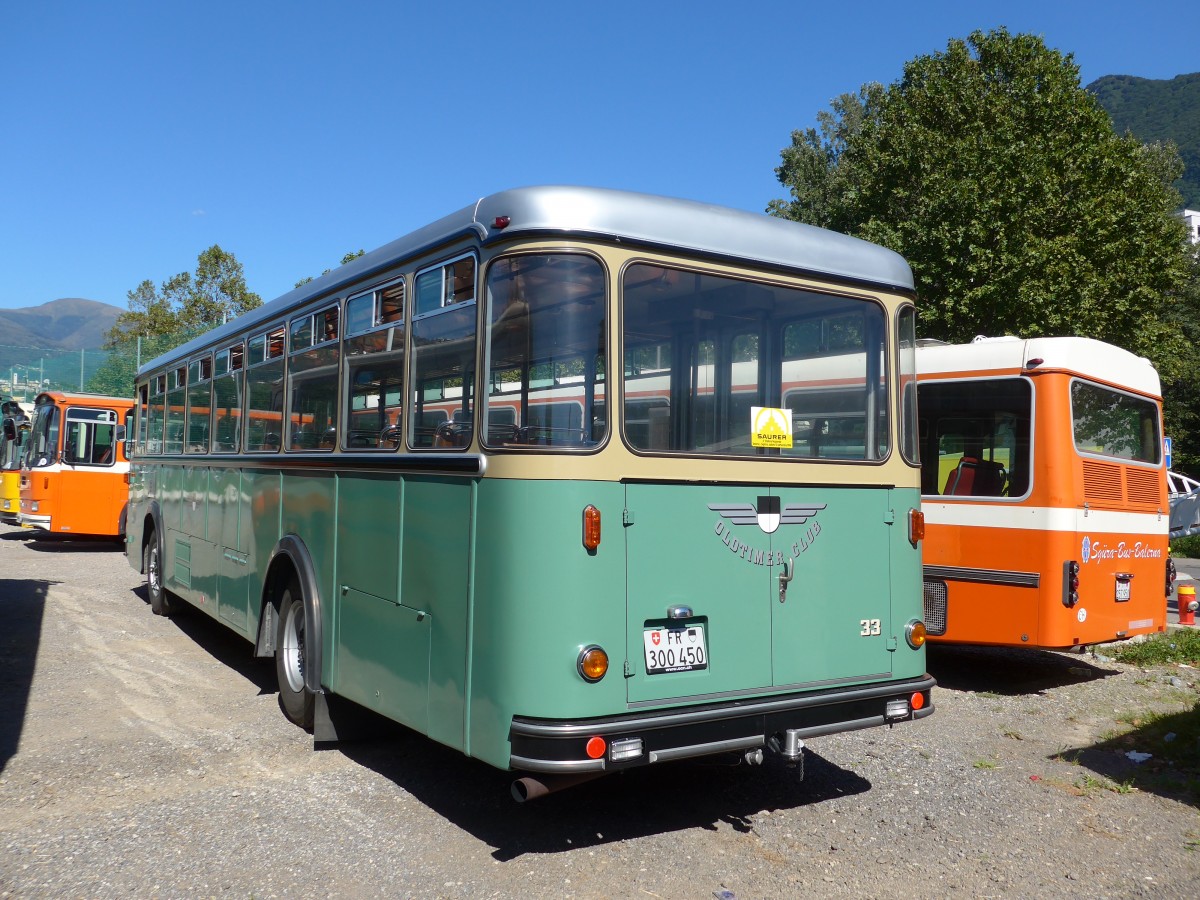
{"points": [[716, 365], [43, 439]]}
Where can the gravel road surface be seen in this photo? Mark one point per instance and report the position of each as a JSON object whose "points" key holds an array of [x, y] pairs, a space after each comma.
{"points": [[145, 757]]}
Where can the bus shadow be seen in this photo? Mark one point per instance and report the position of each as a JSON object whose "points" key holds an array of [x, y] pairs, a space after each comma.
{"points": [[645, 801], [1009, 670], [75, 545], [22, 606], [1160, 755], [217, 640]]}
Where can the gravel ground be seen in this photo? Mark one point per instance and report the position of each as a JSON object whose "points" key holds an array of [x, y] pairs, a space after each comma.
{"points": [[143, 757]]}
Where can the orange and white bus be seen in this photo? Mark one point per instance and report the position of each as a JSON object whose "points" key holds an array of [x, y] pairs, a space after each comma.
{"points": [[12, 441], [74, 474], [1044, 491]]}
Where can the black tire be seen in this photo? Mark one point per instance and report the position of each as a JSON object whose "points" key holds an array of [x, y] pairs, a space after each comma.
{"points": [[295, 698], [160, 603]]}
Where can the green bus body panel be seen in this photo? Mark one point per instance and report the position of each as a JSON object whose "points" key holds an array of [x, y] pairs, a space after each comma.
{"points": [[383, 656], [409, 632], [683, 551], [907, 576], [540, 599], [438, 517]]}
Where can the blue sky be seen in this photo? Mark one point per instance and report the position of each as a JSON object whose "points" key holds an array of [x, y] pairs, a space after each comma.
{"points": [[137, 134]]}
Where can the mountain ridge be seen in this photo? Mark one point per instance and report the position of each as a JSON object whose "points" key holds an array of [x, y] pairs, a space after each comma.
{"points": [[1158, 109], [69, 323]]}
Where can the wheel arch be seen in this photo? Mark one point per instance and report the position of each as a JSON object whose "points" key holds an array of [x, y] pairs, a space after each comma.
{"points": [[291, 559], [152, 520]]}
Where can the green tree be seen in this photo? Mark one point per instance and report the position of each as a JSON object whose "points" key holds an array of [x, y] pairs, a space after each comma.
{"points": [[811, 165], [1004, 185], [161, 318], [186, 302], [345, 259]]}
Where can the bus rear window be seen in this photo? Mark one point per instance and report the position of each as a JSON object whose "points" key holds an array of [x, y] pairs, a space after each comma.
{"points": [[1111, 423], [721, 366], [975, 437]]}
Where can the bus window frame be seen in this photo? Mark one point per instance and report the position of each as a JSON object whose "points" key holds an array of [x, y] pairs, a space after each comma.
{"points": [[271, 341], [1157, 463], [294, 372], [228, 363], [200, 373], [538, 416], [444, 302], [394, 322], [850, 302], [907, 413], [1031, 461], [446, 423], [97, 416]]}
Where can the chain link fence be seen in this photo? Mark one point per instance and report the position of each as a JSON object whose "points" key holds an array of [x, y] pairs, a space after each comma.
{"points": [[27, 371]]}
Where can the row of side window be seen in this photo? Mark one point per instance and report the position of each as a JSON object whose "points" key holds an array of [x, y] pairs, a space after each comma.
{"points": [[233, 400]]}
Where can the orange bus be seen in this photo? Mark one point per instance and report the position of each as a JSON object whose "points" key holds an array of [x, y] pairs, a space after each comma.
{"points": [[1044, 491], [75, 471]]}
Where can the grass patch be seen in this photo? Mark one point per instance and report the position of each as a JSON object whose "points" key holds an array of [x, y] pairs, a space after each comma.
{"points": [[1173, 647], [1173, 739], [985, 764], [1090, 784]]}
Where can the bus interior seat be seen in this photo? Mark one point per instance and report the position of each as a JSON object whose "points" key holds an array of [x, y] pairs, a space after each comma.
{"points": [[976, 478], [453, 434]]}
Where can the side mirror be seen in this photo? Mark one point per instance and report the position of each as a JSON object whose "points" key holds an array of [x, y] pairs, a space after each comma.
{"points": [[10, 430]]}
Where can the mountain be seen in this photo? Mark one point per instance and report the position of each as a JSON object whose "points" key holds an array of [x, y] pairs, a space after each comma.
{"points": [[67, 324], [1158, 110]]}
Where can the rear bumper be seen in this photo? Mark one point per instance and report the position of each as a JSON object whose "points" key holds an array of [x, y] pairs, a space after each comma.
{"points": [[27, 521], [560, 745]]}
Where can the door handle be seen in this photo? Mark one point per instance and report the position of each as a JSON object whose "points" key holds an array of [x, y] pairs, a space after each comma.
{"points": [[785, 577]]}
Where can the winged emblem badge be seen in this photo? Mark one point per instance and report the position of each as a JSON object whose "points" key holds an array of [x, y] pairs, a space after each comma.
{"points": [[768, 515]]}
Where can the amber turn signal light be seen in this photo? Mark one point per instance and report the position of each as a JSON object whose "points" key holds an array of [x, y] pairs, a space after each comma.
{"points": [[916, 526], [593, 663], [915, 634], [591, 527]]}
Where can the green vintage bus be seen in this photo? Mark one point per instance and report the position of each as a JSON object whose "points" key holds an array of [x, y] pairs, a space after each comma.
{"points": [[571, 480]]}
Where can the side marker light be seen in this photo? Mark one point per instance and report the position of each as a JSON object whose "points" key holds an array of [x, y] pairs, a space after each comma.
{"points": [[591, 527]]}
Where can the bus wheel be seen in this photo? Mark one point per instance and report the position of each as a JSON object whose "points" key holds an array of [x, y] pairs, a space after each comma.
{"points": [[295, 699], [152, 563]]}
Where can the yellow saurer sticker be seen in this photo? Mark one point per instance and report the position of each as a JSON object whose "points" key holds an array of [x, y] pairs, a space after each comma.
{"points": [[770, 427]]}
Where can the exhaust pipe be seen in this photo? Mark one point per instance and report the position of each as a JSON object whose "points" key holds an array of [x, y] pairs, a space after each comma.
{"points": [[530, 787]]}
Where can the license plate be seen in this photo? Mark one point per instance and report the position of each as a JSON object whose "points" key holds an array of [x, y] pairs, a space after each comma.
{"points": [[1123, 591], [681, 649]]}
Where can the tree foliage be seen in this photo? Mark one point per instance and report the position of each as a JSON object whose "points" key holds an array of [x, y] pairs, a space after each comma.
{"points": [[196, 302], [345, 259], [1004, 185], [163, 317]]}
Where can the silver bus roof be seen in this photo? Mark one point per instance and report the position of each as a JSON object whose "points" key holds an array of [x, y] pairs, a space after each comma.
{"points": [[603, 214]]}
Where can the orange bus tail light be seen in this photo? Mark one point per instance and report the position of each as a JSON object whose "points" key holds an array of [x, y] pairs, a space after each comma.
{"points": [[1070, 583]]}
